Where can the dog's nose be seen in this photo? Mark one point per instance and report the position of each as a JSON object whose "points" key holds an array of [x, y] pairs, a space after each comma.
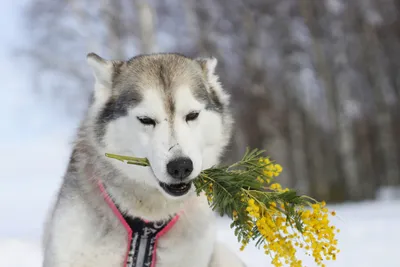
{"points": [[180, 168]]}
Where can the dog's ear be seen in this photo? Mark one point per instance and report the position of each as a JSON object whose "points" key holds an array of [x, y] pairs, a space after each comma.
{"points": [[102, 68], [208, 65], [103, 72]]}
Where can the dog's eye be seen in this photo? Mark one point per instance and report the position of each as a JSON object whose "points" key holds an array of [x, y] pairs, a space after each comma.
{"points": [[192, 116], [147, 121]]}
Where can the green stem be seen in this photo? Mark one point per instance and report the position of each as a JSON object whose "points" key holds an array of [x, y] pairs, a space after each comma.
{"points": [[130, 160], [215, 182], [310, 198], [144, 164]]}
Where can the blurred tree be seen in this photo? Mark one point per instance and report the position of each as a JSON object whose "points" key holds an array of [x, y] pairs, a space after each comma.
{"points": [[315, 83]]}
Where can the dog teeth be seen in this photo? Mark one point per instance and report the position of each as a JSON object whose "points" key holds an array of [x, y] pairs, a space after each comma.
{"points": [[179, 186], [182, 186], [177, 189]]}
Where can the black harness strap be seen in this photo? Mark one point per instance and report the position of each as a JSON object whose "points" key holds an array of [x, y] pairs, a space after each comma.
{"points": [[144, 236], [142, 247]]}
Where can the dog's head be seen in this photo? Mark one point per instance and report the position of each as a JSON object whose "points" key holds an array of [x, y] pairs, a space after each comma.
{"points": [[167, 108]]}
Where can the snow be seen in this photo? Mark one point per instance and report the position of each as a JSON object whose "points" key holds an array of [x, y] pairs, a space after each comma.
{"points": [[334, 6]]}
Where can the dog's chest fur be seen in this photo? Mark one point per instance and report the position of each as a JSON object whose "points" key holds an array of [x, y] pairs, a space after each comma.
{"points": [[103, 243]]}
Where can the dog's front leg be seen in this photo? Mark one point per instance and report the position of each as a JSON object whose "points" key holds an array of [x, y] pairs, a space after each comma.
{"points": [[76, 237]]}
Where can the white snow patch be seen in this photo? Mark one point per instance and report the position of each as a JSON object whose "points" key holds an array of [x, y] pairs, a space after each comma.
{"points": [[352, 109], [374, 18], [19, 252], [388, 194], [334, 6]]}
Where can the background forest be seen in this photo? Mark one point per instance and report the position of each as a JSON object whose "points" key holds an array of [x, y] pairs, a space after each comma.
{"points": [[314, 82]]}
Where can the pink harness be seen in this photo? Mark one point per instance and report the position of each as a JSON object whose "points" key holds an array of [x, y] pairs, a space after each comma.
{"points": [[143, 241]]}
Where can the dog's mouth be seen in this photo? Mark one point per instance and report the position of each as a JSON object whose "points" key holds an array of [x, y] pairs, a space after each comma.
{"points": [[176, 190]]}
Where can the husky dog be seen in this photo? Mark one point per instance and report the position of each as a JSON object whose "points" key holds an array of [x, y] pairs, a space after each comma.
{"points": [[167, 108]]}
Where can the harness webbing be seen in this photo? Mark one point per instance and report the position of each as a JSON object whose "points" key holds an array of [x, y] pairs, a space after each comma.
{"points": [[142, 236]]}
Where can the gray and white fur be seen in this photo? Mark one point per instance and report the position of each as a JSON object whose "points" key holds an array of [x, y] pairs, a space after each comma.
{"points": [[163, 107]]}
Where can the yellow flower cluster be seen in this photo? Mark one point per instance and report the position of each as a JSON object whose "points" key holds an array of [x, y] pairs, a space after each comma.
{"points": [[271, 170], [281, 240], [209, 192], [276, 218]]}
